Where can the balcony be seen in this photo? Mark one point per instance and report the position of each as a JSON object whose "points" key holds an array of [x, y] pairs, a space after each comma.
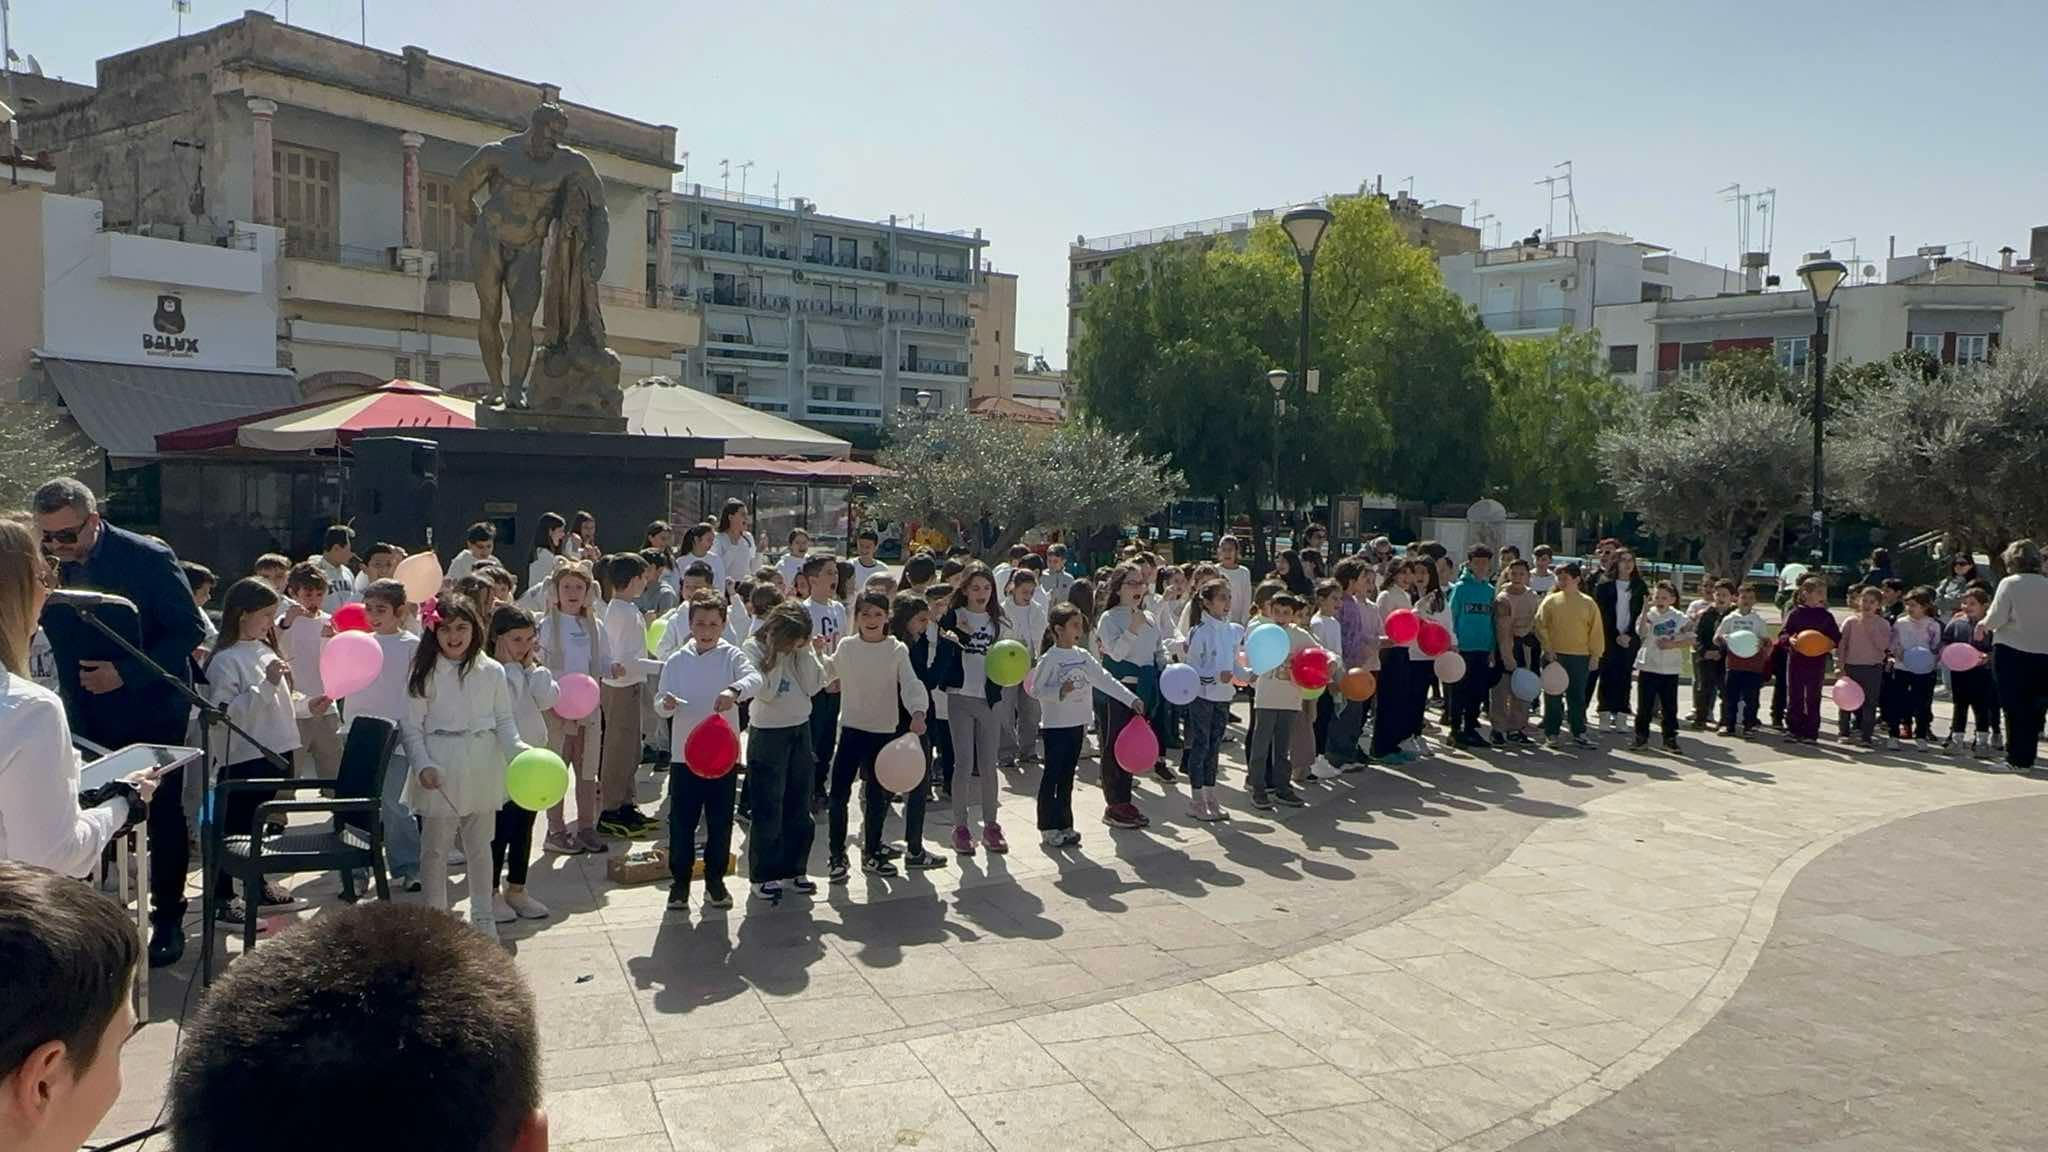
{"points": [[859, 313], [953, 321], [1524, 253], [857, 361], [742, 246], [931, 271], [925, 366], [1527, 320], [742, 298]]}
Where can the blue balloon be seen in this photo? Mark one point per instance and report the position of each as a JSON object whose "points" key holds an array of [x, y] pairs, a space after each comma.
{"points": [[1179, 683], [1525, 684], [1918, 661], [1265, 647]]}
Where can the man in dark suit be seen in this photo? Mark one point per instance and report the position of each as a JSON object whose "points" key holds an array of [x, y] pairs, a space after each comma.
{"points": [[111, 698]]}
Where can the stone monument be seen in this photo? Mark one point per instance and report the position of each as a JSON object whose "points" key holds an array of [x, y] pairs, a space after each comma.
{"points": [[542, 211], [1486, 522]]}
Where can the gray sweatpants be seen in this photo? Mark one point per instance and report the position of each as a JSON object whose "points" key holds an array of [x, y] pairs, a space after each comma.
{"points": [[973, 722], [1019, 724]]}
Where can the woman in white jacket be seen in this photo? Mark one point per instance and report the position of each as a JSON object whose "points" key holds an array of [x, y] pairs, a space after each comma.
{"points": [[514, 645], [459, 735]]}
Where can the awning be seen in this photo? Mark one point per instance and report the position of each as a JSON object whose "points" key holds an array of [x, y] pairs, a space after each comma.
{"points": [[329, 424], [863, 342], [726, 324], [825, 470], [668, 409], [123, 407], [770, 331], [826, 337]]}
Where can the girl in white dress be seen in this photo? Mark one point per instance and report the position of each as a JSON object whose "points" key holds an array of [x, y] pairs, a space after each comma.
{"points": [[460, 733]]}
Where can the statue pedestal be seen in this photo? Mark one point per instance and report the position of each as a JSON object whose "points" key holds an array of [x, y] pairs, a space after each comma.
{"points": [[534, 420], [569, 389]]}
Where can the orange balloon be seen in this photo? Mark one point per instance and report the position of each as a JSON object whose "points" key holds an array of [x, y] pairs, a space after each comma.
{"points": [[1357, 684], [1811, 643]]}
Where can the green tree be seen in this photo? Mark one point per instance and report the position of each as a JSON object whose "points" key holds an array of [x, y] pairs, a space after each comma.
{"points": [[1725, 467], [1963, 452], [957, 469], [1552, 400], [36, 445]]}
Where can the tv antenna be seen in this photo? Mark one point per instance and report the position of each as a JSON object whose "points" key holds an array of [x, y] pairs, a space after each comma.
{"points": [[1571, 202], [743, 178], [1480, 220]]}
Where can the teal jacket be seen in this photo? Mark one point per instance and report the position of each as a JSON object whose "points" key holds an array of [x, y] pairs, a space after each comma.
{"points": [[1471, 604]]}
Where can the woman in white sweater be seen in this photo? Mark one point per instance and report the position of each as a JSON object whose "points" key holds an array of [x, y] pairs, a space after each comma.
{"points": [[40, 821], [2018, 626]]}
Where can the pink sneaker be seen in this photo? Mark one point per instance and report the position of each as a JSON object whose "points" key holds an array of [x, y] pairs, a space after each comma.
{"points": [[963, 841], [992, 838]]}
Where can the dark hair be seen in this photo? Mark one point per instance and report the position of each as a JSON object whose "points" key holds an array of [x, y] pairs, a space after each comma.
{"points": [[1518, 562], [1755, 589], [793, 534], [817, 563], [1328, 588], [247, 595], [994, 607], [1540, 550], [1297, 577], [271, 560], [305, 574], [1923, 596], [763, 597], [1020, 575], [902, 611], [919, 569], [197, 576], [951, 568], [699, 569], [580, 519], [1477, 551], [694, 533], [1229, 539], [657, 559], [786, 628], [379, 548], [67, 961], [1894, 584], [624, 568], [704, 601], [1724, 582], [743, 589], [1056, 546], [509, 618], [1081, 594], [368, 1002], [387, 591], [1348, 570], [1573, 569], [544, 531], [1286, 600], [654, 528], [871, 600], [1059, 614], [869, 534], [843, 585], [1980, 595], [732, 505], [474, 586], [1033, 561], [1665, 586], [451, 606], [1433, 550], [336, 535], [479, 532]]}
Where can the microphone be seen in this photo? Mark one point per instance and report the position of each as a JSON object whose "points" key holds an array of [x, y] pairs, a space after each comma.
{"points": [[78, 599]]}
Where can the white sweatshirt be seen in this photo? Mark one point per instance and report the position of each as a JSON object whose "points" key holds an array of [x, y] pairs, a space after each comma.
{"points": [[385, 698], [625, 633], [40, 822], [1664, 624], [784, 698], [1025, 623], [1212, 651], [533, 691], [303, 642], [873, 679], [236, 682], [695, 678], [1240, 579], [1061, 684], [735, 557], [1132, 636]]}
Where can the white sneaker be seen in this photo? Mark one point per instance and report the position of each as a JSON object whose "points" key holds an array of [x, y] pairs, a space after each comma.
{"points": [[501, 909], [1053, 837], [1322, 769], [526, 906]]}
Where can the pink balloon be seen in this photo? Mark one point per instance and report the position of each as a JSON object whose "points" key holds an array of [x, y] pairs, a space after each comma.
{"points": [[1555, 680], [1848, 694], [1961, 657], [421, 574], [577, 698], [1137, 748], [1450, 667], [349, 663], [900, 765]]}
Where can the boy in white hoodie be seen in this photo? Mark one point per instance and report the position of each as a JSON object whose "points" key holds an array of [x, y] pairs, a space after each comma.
{"points": [[704, 675]]}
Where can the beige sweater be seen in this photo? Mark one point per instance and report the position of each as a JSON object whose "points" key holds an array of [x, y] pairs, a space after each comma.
{"points": [[873, 678]]}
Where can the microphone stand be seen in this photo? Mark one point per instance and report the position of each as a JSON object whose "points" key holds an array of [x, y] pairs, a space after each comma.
{"points": [[209, 714]]}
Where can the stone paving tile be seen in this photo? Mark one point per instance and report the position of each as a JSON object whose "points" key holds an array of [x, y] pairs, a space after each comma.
{"points": [[601, 1113], [883, 1064], [1190, 1012], [1370, 1127], [905, 1114], [1453, 1099], [1060, 1116], [1439, 1018], [1279, 1091], [1339, 1031], [1092, 1022], [1513, 997], [1156, 1091], [992, 1059], [776, 1119], [1237, 1055]]}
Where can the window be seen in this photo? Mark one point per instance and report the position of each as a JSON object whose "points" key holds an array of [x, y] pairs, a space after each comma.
{"points": [[1972, 347], [1621, 360], [302, 189], [433, 372], [724, 288], [846, 394], [1926, 342], [750, 240], [849, 252], [999, 335], [907, 397], [1791, 354], [440, 227], [821, 249], [1692, 360], [821, 392], [401, 368], [721, 236]]}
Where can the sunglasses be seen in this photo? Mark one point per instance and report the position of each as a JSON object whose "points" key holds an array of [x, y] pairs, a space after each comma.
{"points": [[63, 535]]}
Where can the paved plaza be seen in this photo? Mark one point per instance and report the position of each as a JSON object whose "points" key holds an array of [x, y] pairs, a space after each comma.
{"points": [[1751, 946]]}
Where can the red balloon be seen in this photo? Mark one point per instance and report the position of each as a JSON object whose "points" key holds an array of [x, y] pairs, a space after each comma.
{"points": [[351, 618], [712, 747], [1434, 639], [1402, 626], [1313, 668]]}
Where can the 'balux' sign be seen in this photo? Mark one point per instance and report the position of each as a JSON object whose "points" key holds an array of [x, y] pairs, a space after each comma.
{"points": [[169, 322]]}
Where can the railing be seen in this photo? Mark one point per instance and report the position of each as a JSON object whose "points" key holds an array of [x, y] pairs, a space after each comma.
{"points": [[929, 367], [856, 411], [318, 248], [931, 271], [920, 319], [826, 359], [725, 351], [1521, 253], [766, 405], [864, 313], [716, 243], [731, 197], [765, 302], [1526, 319]]}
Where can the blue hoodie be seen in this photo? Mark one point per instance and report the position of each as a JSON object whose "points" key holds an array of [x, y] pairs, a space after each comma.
{"points": [[1471, 606]]}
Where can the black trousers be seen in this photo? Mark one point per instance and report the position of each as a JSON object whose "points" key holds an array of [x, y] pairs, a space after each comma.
{"points": [[824, 730], [237, 816], [1468, 695], [692, 798], [1706, 686], [1116, 782], [1780, 690], [1056, 783], [1974, 695], [779, 787], [1391, 727], [1656, 691], [2022, 693], [512, 843], [1616, 662], [1740, 693], [939, 738], [1913, 704], [856, 759]]}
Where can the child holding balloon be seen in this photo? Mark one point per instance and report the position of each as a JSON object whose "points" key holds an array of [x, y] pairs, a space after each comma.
{"points": [[1740, 634], [1805, 669], [910, 622], [1133, 647], [459, 735], [1024, 622], [1916, 647], [1276, 701], [1972, 690], [875, 678], [514, 640], [1398, 629], [1064, 683], [1212, 644], [705, 675], [1866, 641], [966, 633], [573, 643], [780, 771]]}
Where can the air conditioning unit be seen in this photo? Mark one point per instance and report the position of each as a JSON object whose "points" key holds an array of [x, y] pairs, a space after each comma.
{"points": [[1567, 283]]}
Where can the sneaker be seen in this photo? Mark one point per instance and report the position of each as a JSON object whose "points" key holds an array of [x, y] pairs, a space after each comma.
{"points": [[1977, 746], [805, 885], [639, 821], [1322, 769], [770, 890], [1520, 738], [1400, 756], [1498, 740], [275, 896], [679, 898], [1891, 743], [838, 870], [1121, 816], [992, 838], [1290, 798], [592, 842], [923, 861], [1029, 758], [559, 843], [1052, 837], [1554, 741], [1262, 803], [1579, 741], [963, 841], [234, 912], [615, 826], [715, 896], [1749, 732], [523, 905], [885, 852], [408, 883], [1163, 773], [1073, 838], [876, 866], [502, 913], [1671, 744], [1640, 742]]}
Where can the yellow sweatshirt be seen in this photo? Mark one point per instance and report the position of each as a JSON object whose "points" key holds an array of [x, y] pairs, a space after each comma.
{"points": [[1568, 623]]}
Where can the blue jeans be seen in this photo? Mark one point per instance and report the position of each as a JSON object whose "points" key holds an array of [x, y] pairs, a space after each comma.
{"points": [[401, 831]]}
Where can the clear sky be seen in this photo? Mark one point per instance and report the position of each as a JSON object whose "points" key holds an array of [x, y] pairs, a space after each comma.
{"points": [[1041, 120]]}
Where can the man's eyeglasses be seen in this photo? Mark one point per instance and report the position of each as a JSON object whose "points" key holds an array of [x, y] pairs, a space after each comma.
{"points": [[62, 535]]}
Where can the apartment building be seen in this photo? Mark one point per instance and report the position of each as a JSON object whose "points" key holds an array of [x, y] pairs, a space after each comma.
{"points": [[350, 153], [992, 343], [1536, 286], [830, 321]]}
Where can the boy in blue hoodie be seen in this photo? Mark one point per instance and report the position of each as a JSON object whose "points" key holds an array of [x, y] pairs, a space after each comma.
{"points": [[1472, 626]]}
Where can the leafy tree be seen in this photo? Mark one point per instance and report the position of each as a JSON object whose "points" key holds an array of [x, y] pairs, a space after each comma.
{"points": [[956, 469], [35, 445], [1963, 451], [1551, 401], [1724, 467]]}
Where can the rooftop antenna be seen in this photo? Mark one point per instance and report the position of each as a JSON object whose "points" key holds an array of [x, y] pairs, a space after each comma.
{"points": [[6, 54], [1480, 221], [725, 175], [1571, 202], [1855, 258], [778, 187], [684, 160], [1410, 182], [743, 178]]}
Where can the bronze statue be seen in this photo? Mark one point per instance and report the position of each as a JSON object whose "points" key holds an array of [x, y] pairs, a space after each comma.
{"points": [[531, 183]]}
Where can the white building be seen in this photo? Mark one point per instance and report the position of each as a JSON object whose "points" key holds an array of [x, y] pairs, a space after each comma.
{"points": [[830, 321], [1536, 286]]}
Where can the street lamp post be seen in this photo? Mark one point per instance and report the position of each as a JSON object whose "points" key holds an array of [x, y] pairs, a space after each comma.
{"points": [[1821, 275], [1277, 380], [1304, 227]]}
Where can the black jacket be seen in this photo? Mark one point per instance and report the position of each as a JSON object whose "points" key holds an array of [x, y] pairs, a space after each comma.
{"points": [[946, 669], [168, 624], [1604, 595]]}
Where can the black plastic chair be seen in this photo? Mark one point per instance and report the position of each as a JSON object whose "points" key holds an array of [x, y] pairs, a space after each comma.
{"points": [[353, 840]]}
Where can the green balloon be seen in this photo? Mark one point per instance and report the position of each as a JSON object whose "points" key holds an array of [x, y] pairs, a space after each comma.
{"points": [[536, 779], [1007, 663], [655, 632]]}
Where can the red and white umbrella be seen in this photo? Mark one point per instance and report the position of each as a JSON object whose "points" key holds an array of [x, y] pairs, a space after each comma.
{"points": [[329, 424]]}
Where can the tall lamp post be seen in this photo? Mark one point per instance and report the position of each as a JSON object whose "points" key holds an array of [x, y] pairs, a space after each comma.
{"points": [[1821, 275], [1305, 227], [1277, 380]]}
